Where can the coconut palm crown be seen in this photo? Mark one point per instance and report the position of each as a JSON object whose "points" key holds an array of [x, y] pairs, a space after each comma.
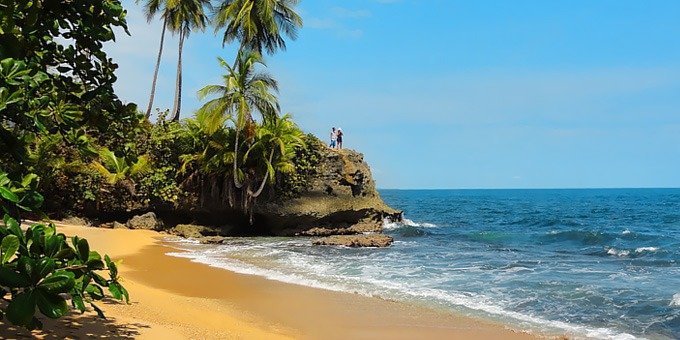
{"points": [[258, 25], [243, 91]]}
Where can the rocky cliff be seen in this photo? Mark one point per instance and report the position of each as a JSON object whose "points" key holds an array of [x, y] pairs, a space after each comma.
{"points": [[335, 195], [340, 198]]}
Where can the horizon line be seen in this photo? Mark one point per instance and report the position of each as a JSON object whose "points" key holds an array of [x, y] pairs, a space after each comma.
{"points": [[547, 188]]}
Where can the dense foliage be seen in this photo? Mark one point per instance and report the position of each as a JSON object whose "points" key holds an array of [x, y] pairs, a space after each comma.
{"points": [[71, 146], [56, 104]]}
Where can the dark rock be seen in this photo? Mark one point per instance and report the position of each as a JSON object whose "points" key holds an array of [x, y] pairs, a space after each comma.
{"points": [[193, 231], [211, 239], [370, 240], [111, 225], [118, 225], [75, 221], [359, 228], [146, 221]]}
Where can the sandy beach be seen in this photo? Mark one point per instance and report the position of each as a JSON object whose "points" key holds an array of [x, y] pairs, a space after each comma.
{"points": [[174, 298]]}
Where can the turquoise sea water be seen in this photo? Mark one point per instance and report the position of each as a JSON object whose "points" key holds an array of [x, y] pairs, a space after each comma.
{"points": [[596, 263]]}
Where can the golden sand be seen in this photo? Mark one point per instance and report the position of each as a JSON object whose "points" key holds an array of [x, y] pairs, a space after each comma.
{"points": [[174, 298]]}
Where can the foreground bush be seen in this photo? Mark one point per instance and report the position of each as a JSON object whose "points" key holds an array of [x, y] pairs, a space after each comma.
{"points": [[39, 268]]}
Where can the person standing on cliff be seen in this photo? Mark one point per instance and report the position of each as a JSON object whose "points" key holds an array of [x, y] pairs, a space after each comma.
{"points": [[339, 137], [334, 138]]}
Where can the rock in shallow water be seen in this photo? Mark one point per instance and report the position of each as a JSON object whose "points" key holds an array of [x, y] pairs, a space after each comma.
{"points": [[211, 240], [371, 240], [194, 231]]}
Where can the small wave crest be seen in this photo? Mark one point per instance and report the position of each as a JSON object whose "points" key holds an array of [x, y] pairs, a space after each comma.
{"points": [[626, 252], [675, 301], [390, 225], [617, 252]]}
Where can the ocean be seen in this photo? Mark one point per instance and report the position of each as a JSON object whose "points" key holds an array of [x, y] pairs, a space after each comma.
{"points": [[589, 263]]}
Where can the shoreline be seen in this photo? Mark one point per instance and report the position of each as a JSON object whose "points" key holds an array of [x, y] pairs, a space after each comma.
{"points": [[168, 292]]}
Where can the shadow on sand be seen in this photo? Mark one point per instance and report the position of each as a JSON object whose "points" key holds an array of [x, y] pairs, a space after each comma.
{"points": [[75, 326]]}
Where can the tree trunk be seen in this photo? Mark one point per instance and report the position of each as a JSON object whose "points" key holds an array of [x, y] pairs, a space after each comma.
{"points": [[155, 72], [266, 177], [237, 184], [178, 84]]}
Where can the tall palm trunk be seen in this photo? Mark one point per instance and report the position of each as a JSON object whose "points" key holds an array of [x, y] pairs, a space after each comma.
{"points": [[266, 177], [155, 72], [237, 183], [178, 83]]}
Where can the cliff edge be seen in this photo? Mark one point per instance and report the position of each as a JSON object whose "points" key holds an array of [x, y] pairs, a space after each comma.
{"points": [[339, 198]]}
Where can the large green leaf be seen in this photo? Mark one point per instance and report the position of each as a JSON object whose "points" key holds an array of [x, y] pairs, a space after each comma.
{"points": [[8, 195], [52, 244], [125, 293], [58, 282], [45, 267], [114, 289], [95, 291], [65, 253], [78, 303], [10, 278], [8, 247], [13, 226], [21, 309], [83, 249], [113, 268], [26, 266], [51, 305]]}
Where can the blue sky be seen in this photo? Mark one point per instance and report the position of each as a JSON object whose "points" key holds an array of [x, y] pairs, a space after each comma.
{"points": [[464, 94]]}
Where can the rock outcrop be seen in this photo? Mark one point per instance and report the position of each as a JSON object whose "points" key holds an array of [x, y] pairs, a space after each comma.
{"points": [[74, 221], [370, 240], [334, 195], [193, 231], [112, 225], [340, 199], [146, 221]]}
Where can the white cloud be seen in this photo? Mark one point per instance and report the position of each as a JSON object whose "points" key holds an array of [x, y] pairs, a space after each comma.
{"points": [[334, 21], [342, 12]]}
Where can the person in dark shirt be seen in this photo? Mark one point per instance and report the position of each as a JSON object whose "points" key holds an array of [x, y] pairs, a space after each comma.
{"points": [[339, 137]]}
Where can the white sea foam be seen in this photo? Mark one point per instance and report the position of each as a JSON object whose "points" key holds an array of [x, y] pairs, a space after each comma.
{"points": [[675, 301], [243, 268], [624, 252], [626, 232], [389, 225], [646, 249], [616, 252], [300, 269]]}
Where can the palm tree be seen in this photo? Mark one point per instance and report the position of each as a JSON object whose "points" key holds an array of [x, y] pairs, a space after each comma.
{"points": [[115, 169], [258, 24], [183, 17], [209, 167], [279, 137], [151, 8], [243, 91]]}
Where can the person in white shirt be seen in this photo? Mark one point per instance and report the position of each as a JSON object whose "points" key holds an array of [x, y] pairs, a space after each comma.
{"points": [[334, 138]]}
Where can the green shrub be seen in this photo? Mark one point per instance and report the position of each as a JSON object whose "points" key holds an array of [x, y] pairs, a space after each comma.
{"points": [[306, 161], [39, 268]]}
